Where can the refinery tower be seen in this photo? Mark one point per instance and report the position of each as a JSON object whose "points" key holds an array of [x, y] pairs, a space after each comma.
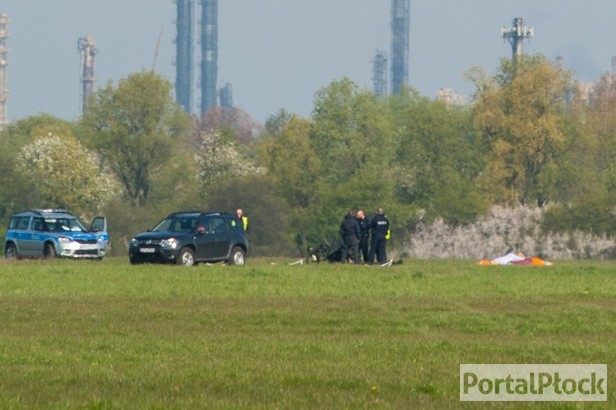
{"points": [[400, 31], [4, 91], [184, 54], [516, 36], [400, 22], [185, 59], [208, 61], [87, 51]]}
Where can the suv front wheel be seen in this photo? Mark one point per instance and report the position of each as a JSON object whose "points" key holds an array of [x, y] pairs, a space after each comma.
{"points": [[10, 252], [186, 257], [238, 257], [49, 252]]}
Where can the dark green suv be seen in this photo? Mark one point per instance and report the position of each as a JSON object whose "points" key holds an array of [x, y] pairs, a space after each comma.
{"points": [[190, 237]]}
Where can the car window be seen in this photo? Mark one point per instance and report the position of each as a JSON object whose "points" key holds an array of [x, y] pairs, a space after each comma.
{"points": [[219, 224], [206, 222], [64, 225], [185, 225], [20, 223], [38, 225], [164, 225], [98, 224], [176, 225]]}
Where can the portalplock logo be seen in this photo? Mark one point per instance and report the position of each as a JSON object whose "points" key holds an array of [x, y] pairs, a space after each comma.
{"points": [[533, 382]]}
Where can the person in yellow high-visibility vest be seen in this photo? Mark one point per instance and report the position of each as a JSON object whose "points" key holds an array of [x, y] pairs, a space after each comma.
{"points": [[240, 215]]}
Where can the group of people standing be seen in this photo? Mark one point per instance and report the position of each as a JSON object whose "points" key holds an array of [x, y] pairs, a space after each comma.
{"points": [[363, 238]]}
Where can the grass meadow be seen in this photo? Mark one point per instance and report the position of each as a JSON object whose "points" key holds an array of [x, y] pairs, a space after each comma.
{"points": [[107, 335]]}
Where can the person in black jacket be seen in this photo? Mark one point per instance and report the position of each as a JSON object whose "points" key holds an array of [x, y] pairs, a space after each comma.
{"points": [[349, 231], [379, 227], [364, 233]]}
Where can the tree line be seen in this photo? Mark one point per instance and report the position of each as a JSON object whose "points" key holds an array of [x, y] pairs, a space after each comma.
{"points": [[529, 137]]}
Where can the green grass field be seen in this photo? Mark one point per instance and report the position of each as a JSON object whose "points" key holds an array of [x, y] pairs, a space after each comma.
{"points": [[78, 334]]}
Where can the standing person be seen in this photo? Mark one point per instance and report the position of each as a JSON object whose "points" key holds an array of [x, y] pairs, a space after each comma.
{"points": [[240, 215], [349, 231], [379, 227], [364, 233]]}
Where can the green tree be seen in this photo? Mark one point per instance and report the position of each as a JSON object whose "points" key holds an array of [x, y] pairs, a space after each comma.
{"points": [[26, 130], [291, 159], [275, 123], [602, 121], [353, 137], [268, 213], [356, 136], [518, 116], [352, 131], [296, 170], [437, 159], [587, 172], [136, 127]]}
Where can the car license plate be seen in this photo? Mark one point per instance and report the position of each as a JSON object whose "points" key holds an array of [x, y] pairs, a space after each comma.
{"points": [[147, 250]]}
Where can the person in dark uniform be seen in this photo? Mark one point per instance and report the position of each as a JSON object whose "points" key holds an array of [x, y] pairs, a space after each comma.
{"points": [[379, 228], [364, 233], [349, 231]]}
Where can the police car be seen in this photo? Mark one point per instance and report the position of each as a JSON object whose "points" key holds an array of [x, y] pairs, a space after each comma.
{"points": [[54, 232]]}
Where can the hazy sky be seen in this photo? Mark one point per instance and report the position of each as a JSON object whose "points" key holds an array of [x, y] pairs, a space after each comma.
{"points": [[279, 53]]}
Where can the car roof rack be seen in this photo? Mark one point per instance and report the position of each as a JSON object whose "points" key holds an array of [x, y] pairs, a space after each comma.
{"points": [[51, 210], [193, 212]]}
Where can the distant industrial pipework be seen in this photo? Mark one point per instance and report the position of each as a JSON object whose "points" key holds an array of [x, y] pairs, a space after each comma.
{"points": [[4, 91], [87, 49], [379, 73], [184, 54], [209, 54], [400, 22], [516, 35]]}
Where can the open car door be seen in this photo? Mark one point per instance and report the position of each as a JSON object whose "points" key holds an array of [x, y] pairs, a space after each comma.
{"points": [[99, 228]]}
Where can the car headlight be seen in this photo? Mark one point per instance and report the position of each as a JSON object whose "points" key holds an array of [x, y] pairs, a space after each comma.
{"points": [[62, 239], [133, 242], [169, 243]]}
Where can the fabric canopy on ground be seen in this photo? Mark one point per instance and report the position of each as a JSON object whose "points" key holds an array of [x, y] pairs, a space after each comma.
{"points": [[515, 259]]}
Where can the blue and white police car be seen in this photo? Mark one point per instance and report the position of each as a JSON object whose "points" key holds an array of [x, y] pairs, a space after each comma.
{"points": [[53, 233]]}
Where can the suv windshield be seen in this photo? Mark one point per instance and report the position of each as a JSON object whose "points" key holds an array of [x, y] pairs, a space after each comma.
{"points": [[178, 223], [64, 225]]}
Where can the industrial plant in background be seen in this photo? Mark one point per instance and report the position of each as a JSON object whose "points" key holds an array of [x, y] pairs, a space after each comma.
{"points": [[400, 23], [185, 60], [87, 52], [516, 35], [379, 73], [4, 91], [209, 56], [400, 27], [184, 54], [210, 95]]}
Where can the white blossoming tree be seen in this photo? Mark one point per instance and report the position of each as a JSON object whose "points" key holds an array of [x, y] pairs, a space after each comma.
{"points": [[218, 157], [65, 174]]}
